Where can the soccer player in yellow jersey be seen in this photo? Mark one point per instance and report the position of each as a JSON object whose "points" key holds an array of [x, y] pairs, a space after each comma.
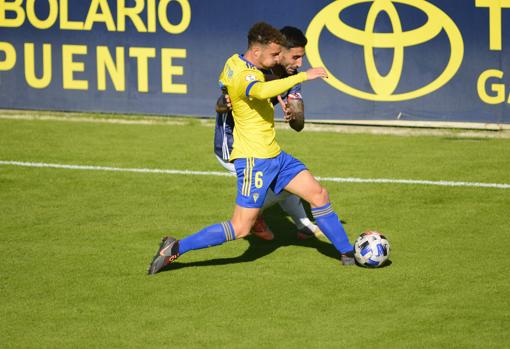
{"points": [[259, 162], [291, 59]]}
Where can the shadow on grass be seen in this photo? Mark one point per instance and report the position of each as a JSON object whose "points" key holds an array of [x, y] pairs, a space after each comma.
{"points": [[386, 264], [285, 235]]}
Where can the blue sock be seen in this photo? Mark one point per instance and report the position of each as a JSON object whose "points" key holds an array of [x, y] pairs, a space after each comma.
{"points": [[328, 222], [211, 236]]}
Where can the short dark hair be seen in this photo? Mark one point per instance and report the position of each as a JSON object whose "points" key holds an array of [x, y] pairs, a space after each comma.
{"points": [[263, 33], [293, 37]]}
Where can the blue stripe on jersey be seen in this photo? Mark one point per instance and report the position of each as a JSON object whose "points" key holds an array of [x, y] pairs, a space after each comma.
{"points": [[248, 63], [250, 85]]}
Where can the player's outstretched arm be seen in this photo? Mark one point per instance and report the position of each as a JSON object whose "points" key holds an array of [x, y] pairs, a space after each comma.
{"points": [[270, 89], [315, 73]]}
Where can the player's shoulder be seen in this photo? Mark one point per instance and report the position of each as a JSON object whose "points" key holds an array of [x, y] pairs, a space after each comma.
{"points": [[246, 71], [238, 72], [238, 63], [233, 67]]}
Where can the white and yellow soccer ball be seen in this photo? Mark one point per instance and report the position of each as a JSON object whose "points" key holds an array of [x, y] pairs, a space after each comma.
{"points": [[371, 249]]}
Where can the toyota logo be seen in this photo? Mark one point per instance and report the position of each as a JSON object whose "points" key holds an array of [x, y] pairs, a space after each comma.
{"points": [[384, 86]]}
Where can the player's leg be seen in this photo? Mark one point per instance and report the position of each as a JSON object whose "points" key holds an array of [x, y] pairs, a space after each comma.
{"points": [[293, 206], [243, 220], [253, 179], [260, 228], [239, 226], [308, 188], [171, 248], [248, 194]]}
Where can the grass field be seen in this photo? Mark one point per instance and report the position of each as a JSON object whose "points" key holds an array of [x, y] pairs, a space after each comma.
{"points": [[76, 244]]}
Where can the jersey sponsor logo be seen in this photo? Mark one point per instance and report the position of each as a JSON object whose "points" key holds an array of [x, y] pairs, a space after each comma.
{"points": [[384, 87], [230, 73]]}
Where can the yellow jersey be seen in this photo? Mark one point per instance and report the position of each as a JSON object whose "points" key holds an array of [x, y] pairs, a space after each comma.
{"points": [[253, 112]]}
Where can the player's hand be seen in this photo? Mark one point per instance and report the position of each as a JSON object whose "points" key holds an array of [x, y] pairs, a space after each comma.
{"points": [[314, 73], [229, 102], [223, 104], [287, 112]]}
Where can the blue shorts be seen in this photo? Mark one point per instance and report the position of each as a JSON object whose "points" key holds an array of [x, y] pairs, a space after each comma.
{"points": [[256, 176]]}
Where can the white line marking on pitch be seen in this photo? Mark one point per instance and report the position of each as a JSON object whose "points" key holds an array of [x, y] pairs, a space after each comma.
{"points": [[115, 169], [227, 174]]}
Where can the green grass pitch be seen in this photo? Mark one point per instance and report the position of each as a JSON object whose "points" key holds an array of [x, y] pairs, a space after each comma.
{"points": [[76, 244]]}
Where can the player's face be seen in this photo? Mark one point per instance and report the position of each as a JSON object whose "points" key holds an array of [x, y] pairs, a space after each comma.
{"points": [[269, 55], [292, 59]]}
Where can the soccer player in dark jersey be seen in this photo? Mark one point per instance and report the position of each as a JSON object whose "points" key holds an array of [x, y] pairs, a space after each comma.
{"points": [[258, 159], [292, 104]]}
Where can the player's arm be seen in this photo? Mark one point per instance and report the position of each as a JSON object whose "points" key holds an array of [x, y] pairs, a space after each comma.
{"points": [[268, 89], [296, 116], [271, 77], [293, 111]]}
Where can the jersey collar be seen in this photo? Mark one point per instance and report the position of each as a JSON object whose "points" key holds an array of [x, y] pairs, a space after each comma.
{"points": [[251, 65]]}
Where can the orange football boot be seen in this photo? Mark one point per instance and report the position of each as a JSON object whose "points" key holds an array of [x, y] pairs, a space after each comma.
{"points": [[261, 230]]}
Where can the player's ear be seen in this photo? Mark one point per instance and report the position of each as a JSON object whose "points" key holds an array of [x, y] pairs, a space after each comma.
{"points": [[256, 49]]}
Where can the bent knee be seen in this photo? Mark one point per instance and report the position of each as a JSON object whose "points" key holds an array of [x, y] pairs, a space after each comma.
{"points": [[320, 198], [241, 229]]}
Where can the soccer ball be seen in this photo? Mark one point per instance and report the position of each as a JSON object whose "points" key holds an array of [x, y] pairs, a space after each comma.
{"points": [[371, 249]]}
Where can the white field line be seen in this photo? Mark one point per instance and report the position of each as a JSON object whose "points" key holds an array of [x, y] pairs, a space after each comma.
{"points": [[227, 174], [115, 169]]}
